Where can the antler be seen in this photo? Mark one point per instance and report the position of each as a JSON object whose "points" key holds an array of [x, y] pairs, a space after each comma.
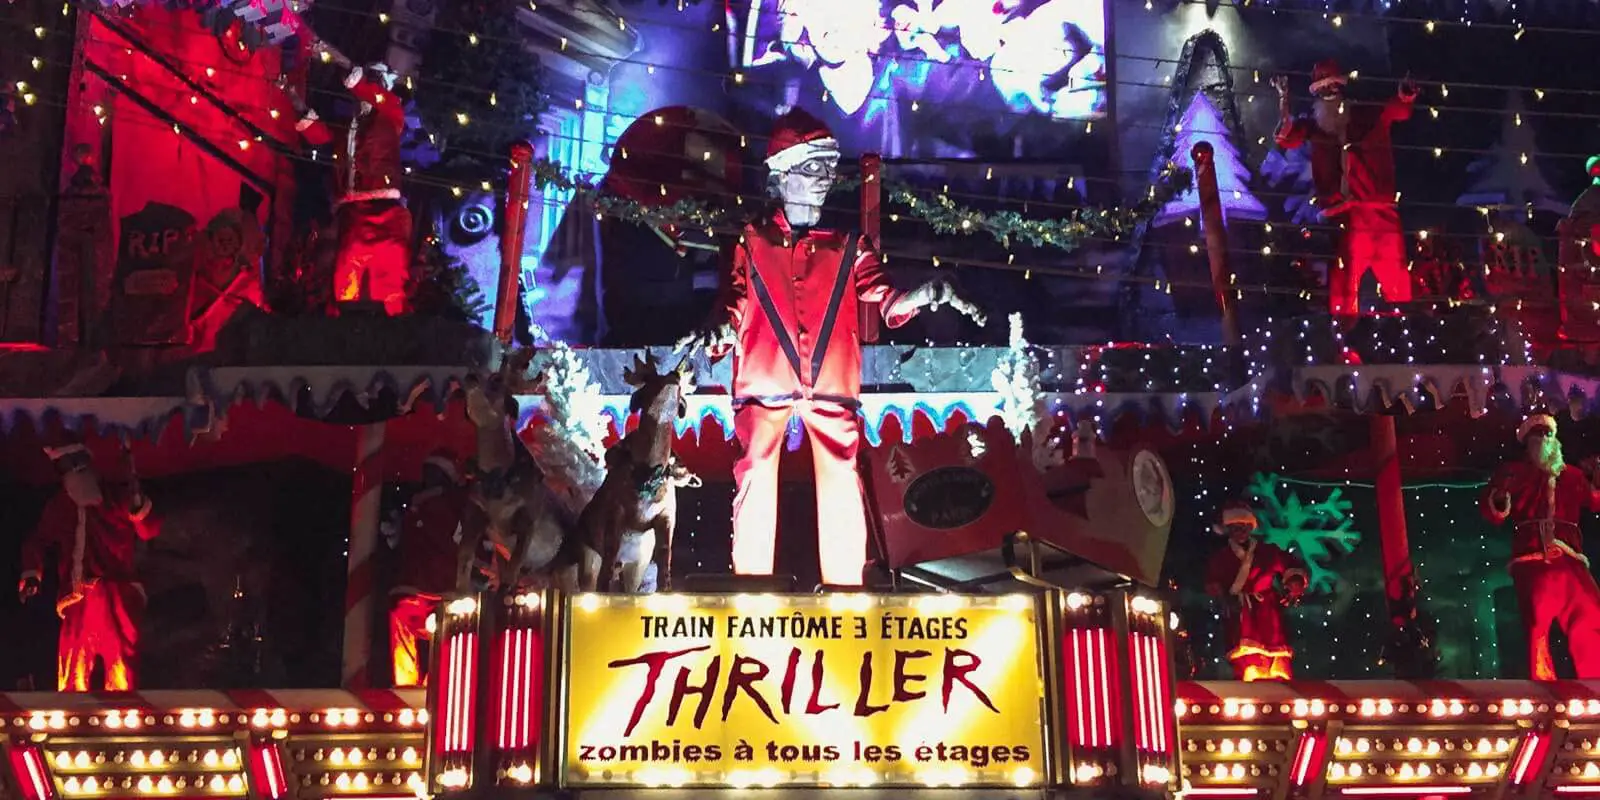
{"points": [[642, 370]]}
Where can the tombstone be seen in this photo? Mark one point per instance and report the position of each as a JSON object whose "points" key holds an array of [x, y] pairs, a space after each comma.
{"points": [[154, 277]]}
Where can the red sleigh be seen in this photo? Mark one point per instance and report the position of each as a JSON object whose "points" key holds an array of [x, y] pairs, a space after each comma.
{"points": [[971, 507]]}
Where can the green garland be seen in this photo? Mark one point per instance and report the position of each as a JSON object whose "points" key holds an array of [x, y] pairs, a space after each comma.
{"points": [[939, 212]]}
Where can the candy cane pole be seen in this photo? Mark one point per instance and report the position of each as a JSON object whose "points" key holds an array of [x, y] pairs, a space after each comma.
{"points": [[366, 497]]}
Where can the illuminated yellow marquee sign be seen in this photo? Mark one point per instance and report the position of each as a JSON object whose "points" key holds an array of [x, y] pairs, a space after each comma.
{"points": [[839, 690]]}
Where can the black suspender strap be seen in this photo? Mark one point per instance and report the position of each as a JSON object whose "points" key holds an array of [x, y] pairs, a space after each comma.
{"points": [[840, 284], [771, 310]]}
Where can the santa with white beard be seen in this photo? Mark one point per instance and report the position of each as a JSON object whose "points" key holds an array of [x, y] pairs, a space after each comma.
{"points": [[1544, 499], [1352, 165]]}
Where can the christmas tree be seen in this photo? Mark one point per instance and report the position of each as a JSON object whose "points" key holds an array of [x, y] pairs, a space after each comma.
{"points": [[480, 86], [442, 287], [900, 468], [1202, 122], [1508, 176]]}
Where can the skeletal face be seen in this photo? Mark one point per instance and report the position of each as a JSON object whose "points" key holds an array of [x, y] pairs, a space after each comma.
{"points": [[83, 486], [1329, 113], [1239, 533], [805, 186]]}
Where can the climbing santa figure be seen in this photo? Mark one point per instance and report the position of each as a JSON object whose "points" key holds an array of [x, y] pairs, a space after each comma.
{"points": [[1543, 499], [374, 252], [1352, 167], [93, 531], [429, 541], [789, 312], [1258, 580]]}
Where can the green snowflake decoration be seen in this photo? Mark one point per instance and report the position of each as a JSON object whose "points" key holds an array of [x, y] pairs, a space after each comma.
{"points": [[1317, 531]]}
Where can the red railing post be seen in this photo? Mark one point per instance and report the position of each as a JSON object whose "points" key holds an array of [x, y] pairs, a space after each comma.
{"points": [[1216, 231], [513, 225], [872, 229]]}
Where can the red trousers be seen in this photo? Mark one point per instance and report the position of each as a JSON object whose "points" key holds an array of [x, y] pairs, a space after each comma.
{"points": [[374, 258], [1564, 592], [1372, 241], [408, 624], [1261, 650], [103, 625], [841, 513]]}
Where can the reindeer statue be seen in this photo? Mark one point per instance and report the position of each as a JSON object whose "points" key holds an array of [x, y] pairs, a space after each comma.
{"points": [[638, 502], [511, 505]]}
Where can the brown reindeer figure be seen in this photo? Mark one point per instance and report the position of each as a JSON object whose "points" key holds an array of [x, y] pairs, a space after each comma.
{"points": [[639, 497], [511, 506]]}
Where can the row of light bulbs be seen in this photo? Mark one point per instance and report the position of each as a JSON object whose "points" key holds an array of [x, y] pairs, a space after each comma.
{"points": [[361, 782], [1416, 746], [1408, 771], [139, 759], [1230, 747], [91, 786], [1243, 708], [1236, 771], [356, 756]]}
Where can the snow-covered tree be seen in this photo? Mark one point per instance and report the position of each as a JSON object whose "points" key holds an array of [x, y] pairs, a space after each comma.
{"points": [[1202, 122], [1508, 176]]}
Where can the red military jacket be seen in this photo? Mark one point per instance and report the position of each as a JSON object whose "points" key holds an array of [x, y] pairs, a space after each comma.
{"points": [[102, 549], [1363, 172], [1259, 568], [1531, 501], [428, 542], [369, 159], [794, 299]]}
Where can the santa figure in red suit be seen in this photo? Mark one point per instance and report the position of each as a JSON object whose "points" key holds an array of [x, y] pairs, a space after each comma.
{"points": [[1543, 498], [789, 312], [93, 531], [1258, 579], [374, 254], [430, 536], [1352, 165]]}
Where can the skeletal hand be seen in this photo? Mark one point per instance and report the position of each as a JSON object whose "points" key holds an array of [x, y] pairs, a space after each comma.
{"points": [[717, 340], [1501, 501], [939, 293], [295, 99], [1408, 89], [1281, 83], [329, 53]]}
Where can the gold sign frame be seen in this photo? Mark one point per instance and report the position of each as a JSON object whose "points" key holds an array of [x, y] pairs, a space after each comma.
{"points": [[803, 639]]}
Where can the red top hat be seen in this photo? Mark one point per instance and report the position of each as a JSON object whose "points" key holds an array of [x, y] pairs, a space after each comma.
{"points": [[1326, 75]]}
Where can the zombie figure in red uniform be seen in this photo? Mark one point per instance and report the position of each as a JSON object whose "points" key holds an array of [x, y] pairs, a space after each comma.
{"points": [[1258, 580], [1543, 498], [93, 531], [430, 536], [1352, 165], [790, 313], [374, 254]]}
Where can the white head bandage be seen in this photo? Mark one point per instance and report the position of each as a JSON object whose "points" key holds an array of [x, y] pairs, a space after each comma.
{"points": [[791, 157]]}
